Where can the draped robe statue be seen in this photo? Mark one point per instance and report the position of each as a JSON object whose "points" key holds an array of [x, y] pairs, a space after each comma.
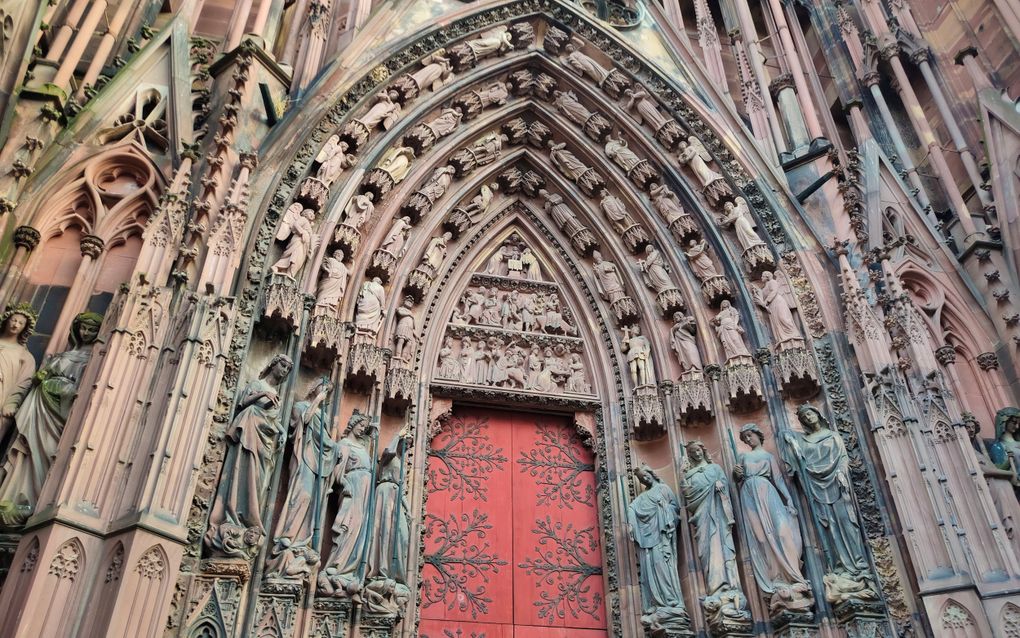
{"points": [[777, 302], [40, 421], [608, 281], [730, 332], [653, 270], [388, 556], [823, 467], [333, 285], [315, 454], [368, 315], [684, 341], [770, 527], [653, 518], [342, 575], [254, 437], [16, 363], [296, 229]]}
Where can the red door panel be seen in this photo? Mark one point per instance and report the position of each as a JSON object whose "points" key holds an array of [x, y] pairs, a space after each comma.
{"points": [[512, 547]]}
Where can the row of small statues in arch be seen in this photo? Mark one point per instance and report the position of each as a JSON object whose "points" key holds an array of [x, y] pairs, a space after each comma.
{"points": [[494, 362]]}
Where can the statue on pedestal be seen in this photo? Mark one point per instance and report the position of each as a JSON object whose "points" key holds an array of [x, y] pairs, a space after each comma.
{"points": [[254, 437], [683, 336], [368, 316], [638, 349], [333, 285], [296, 230], [16, 363]]}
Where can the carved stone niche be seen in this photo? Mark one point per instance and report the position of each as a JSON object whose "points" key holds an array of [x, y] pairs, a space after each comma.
{"points": [[355, 134], [383, 264], [378, 182], [401, 384], [742, 385], [715, 290], [510, 180], [276, 608], [758, 259], [330, 616], [378, 625], [669, 301], [626, 311], [795, 370], [366, 366], [457, 222], [649, 415], [635, 238], [522, 35], [521, 82], [693, 398], [215, 594], [313, 193], [419, 282], [544, 86], [326, 333], [346, 238], [281, 310], [539, 134]]}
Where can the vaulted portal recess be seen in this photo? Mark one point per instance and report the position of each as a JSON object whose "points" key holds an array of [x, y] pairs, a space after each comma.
{"points": [[512, 541]]}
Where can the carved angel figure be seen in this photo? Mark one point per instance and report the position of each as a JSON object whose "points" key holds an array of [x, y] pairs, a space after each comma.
{"points": [[359, 209], [583, 65], [608, 281], [384, 112], [333, 160], [567, 103], [396, 238], [776, 299], [436, 71], [334, 282], [730, 332], [566, 162], [653, 270], [296, 230], [682, 337], [616, 150], [700, 260], [492, 42], [739, 216], [694, 154], [397, 162]]}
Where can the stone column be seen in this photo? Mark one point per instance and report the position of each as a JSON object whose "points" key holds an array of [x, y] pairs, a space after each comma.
{"points": [[26, 239], [78, 296], [757, 62], [784, 91], [238, 21], [106, 43], [81, 40], [787, 47]]}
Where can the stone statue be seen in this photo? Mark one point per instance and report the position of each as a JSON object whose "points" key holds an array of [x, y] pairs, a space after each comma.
{"points": [[449, 366], [566, 162], [388, 555], [1001, 482], [492, 42], [435, 252], [616, 213], [770, 527], [296, 230], [638, 349], [706, 491], [653, 270], [683, 337], [368, 316], [333, 285], [652, 520], [821, 462], [437, 184], [384, 112], [254, 437], [404, 332], [667, 203], [396, 238], [738, 215], [446, 122], [647, 111], [315, 453], [577, 381], [584, 66], [333, 160], [694, 154], [700, 260], [616, 150], [397, 163], [479, 204], [16, 363], [529, 262], [1004, 451], [436, 72], [359, 209], [775, 297], [561, 213], [608, 281], [730, 332], [567, 104], [40, 420], [351, 525]]}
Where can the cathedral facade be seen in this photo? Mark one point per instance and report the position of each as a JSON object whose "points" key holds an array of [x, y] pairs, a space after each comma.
{"points": [[509, 318]]}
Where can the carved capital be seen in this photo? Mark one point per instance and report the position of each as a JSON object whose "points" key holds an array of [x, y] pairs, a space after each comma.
{"points": [[988, 361], [92, 246], [919, 55], [889, 51], [964, 53], [249, 160], [780, 83], [870, 78], [946, 355], [26, 237]]}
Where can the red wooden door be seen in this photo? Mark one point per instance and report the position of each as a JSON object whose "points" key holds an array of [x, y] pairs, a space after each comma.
{"points": [[512, 544]]}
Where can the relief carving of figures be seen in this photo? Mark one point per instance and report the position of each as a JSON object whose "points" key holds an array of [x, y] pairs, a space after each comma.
{"points": [[681, 224], [342, 576], [315, 454], [16, 363], [449, 364], [254, 437], [333, 284], [653, 518], [436, 72], [770, 527], [387, 558], [683, 337], [616, 150], [484, 151], [480, 203], [776, 299], [384, 112], [333, 160], [608, 281], [693, 154], [495, 41], [730, 332], [396, 239], [296, 230], [404, 332], [706, 491], [40, 420], [368, 316], [638, 349], [821, 463], [653, 270]]}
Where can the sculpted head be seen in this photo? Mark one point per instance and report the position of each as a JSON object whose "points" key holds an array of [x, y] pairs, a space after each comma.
{"points": [[278, 367], [752, 435], [19, 321], [696, 452], [85, 329], [1007, 421], [767, 276], [338, 255], [811, 418], [646, 476]]}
